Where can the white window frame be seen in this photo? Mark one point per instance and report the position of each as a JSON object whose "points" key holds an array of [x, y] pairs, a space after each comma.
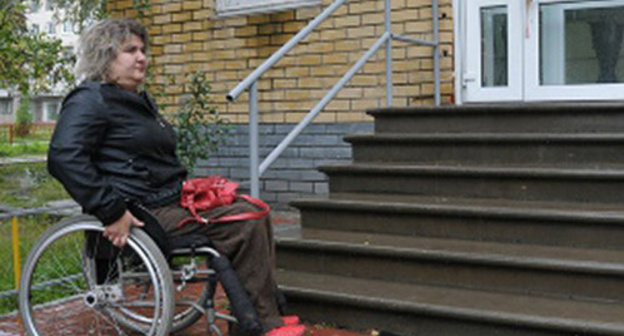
{"points": [[246, 7], [537, 92], [472, 79]]}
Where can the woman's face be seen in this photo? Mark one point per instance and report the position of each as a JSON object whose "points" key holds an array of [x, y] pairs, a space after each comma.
{"points": [[128, 68]]}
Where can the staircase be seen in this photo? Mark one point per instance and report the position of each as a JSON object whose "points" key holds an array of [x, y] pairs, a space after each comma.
{"points": [[477, 220]]}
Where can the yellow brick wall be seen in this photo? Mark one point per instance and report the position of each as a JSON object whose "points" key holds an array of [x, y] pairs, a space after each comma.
{"points": [[188, 36]]}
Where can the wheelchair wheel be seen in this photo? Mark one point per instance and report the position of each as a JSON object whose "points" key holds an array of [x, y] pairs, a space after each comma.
{"points": [[63, 290], [191, 297]]}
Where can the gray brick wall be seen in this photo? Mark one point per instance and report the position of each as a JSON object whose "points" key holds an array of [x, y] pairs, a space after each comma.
{"points": [[295, 173]]}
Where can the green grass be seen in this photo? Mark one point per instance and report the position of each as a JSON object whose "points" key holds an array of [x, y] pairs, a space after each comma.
{"points": [[61, 259], [36, 143], [28, 185], [23, 148], [6, 268]]}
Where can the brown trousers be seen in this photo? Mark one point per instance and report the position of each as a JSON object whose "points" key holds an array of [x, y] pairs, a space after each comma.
{"points": [[248, 244]]}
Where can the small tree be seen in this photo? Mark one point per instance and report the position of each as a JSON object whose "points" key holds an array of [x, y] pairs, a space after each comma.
{"points": [[200, 129], [30, 62], [80, 12], [24, 117]]}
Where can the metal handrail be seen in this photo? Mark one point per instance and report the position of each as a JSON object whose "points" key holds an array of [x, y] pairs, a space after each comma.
{"points": [[35, 211], [250, 83], [321, 104], [266, 65]]}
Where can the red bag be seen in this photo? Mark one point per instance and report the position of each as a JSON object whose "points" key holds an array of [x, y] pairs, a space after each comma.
{"points": [[205, 193]]}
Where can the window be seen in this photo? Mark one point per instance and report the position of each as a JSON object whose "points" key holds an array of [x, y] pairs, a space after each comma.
{"points": [[68, 27], [34, 28], [239, 7], [34, 6], [67, 52], [48, 6], [51, 110], [5, 107], [51, 28], [580, 44]]}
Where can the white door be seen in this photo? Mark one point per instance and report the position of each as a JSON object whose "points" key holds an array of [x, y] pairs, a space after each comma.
{"points": [[564, 50], [493, 51]]}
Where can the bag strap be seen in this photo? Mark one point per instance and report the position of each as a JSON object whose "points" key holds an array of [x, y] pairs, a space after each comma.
{"points": [[265, 209], [250, 215]]}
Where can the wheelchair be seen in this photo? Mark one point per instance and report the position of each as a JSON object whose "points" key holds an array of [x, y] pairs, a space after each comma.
{"points": [[67, 288]]}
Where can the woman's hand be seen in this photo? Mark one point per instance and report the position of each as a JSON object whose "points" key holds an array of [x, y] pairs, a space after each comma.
{"points": [[119, 231]]}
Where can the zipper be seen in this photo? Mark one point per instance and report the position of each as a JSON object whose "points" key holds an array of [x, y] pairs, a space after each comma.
{"points": [[153, 109]]}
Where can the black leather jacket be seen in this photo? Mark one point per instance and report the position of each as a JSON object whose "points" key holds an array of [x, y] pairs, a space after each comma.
{"points": [[110, 147]]}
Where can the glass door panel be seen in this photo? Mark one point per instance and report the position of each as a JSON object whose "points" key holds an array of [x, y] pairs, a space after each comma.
{"points": [[494, 40], [585, 48], [577, 53], [494, 51]]}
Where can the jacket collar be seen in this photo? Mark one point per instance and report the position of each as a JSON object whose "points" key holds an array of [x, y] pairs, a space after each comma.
{"points": [[131, 98]]}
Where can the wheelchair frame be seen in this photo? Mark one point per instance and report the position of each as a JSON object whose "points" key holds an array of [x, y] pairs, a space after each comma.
{"points": [[140, 292]]}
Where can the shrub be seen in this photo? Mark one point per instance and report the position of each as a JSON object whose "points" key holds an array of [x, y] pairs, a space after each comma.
{"points": [[200, 129]]}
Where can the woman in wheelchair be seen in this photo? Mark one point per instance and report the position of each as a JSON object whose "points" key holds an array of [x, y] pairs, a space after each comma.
{"points": [[113, 151]]}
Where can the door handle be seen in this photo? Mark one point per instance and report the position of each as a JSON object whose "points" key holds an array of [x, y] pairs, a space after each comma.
{"points": [[468, 78]]}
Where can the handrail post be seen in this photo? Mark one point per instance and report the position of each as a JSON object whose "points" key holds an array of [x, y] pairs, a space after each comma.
{"points": [[254, 175], [388, 21], [17, 262], [436, 50]]}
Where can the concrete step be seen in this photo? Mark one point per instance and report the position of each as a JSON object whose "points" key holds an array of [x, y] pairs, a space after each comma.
{"points": [[507, 118], [469, 220], [490, 148], [409, 309], [582, 274], [586, 225], [513, 183]]}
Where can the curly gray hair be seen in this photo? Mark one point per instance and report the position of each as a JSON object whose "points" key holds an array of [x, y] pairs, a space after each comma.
{"points": [[99, 44]]}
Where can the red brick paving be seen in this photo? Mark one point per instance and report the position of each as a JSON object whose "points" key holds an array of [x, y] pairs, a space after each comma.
{"points": [[11, 326]]}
